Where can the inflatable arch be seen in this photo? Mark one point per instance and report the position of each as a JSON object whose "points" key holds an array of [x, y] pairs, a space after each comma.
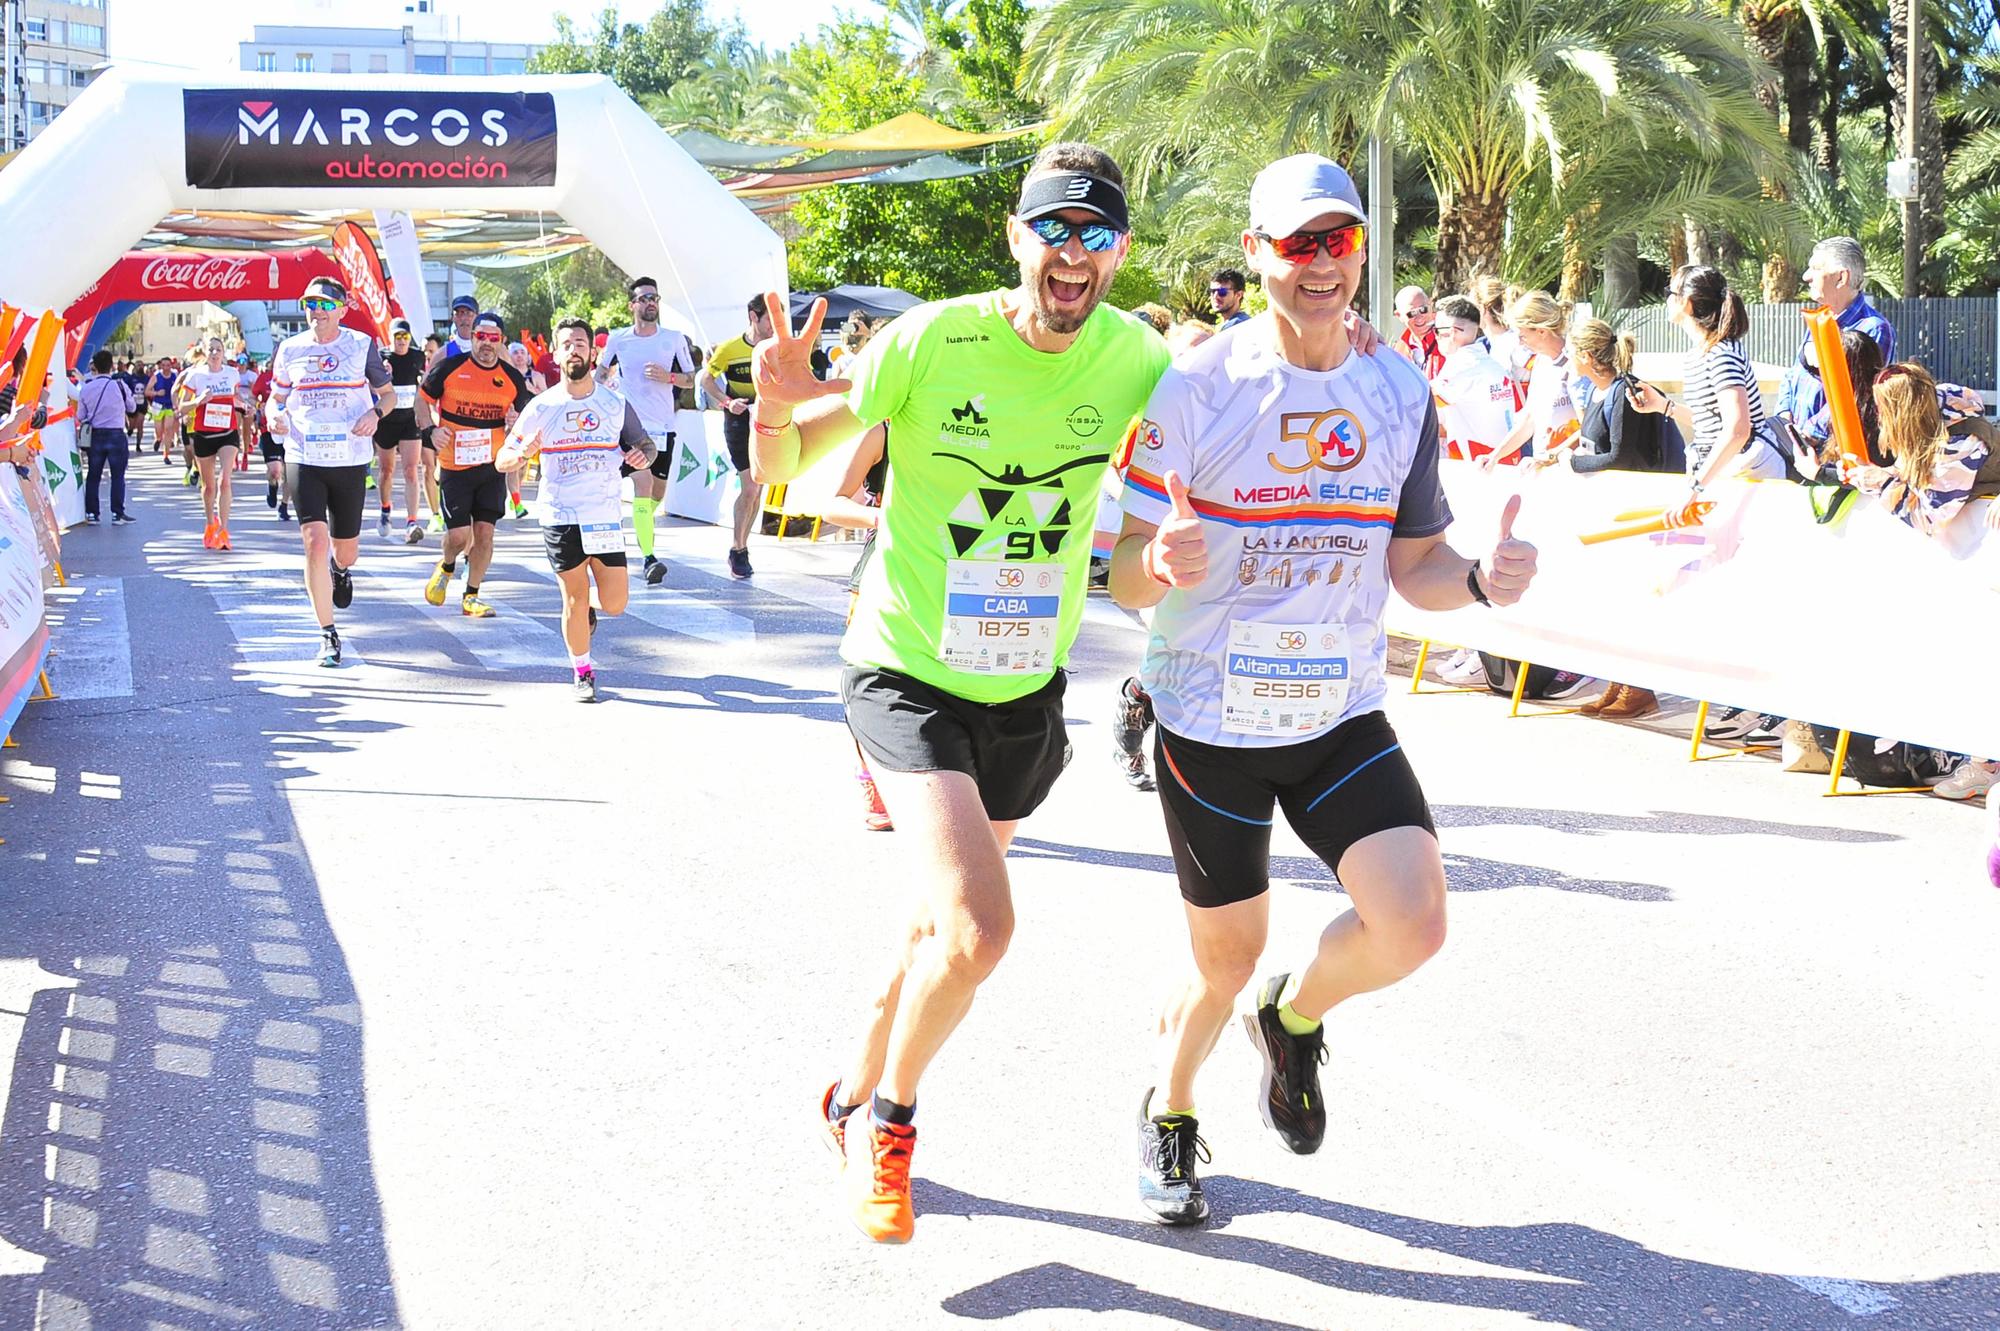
{"points": [[141, 143]]}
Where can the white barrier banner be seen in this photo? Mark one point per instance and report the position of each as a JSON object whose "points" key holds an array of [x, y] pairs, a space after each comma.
{"points": [[1862, 624], [702, 484], [62, 463], [405, 261]]}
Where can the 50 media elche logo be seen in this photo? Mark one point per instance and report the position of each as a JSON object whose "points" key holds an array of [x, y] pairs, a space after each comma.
{"points": [[304, 138]]}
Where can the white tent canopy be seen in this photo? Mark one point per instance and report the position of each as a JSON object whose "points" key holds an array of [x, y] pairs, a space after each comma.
{"points": [[143, 142]]}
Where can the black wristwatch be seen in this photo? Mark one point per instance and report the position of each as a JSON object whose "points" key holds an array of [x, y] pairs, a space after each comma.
{"points": [[1472, 585]]}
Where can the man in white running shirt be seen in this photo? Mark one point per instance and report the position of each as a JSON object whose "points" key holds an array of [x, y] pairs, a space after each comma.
{"points": [[329, 390], [650, 363], [584, 431], [1474, 394], [1284, 482]]}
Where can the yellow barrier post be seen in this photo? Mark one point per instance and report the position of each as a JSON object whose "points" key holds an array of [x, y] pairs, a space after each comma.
{"points": [[1695, 755], [1417, 675], [1520, 686], [47, 694]]}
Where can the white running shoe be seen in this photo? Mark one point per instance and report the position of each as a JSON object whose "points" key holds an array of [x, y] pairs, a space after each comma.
{"points": [[1972, 778], [1465, 671]]}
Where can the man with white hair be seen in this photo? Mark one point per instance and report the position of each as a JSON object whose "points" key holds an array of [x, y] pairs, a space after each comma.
{"points": [[1834, 276]]}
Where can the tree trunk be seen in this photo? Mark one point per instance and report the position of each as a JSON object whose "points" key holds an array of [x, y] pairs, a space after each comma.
{"points": [[1576, 260], [1700, 249], [1677, 248], [1448, 276], [1482, 234], [1621, 273], [1780, 37], [1832, 84], [1928, 206]]}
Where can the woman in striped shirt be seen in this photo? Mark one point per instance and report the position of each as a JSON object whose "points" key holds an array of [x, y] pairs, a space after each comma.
{"points": [[1931, 473], [1728, 437]]}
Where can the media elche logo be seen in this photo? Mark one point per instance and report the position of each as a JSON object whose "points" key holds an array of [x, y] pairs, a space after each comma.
{"points": [[1008, 578], [583, 421], [1291, 640]]}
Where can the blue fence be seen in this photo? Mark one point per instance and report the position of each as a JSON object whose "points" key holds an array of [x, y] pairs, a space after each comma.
{"points": [[1953, 338]]}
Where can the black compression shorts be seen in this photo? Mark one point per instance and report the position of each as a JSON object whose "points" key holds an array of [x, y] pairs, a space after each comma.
{"points": [[208, 445], [663, 462], [333, 495], [399, 426], [1335, 789], [472, 494], [736, 434], [1013, 750]]}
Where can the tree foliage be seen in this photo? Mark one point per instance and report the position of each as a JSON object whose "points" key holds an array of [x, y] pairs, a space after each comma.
{"points": [[645, 59]]}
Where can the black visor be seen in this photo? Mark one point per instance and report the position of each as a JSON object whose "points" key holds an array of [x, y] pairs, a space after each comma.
{"points": [[1060, 191]]}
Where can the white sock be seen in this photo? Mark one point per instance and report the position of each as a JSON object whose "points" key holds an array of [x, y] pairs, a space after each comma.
{"points": [[582, 663]]}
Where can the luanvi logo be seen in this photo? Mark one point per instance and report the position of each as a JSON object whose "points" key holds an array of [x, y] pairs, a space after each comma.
{"points": [[240, 138]]}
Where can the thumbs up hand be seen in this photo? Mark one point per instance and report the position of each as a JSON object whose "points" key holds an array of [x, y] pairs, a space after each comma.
{"points": [[1512, 565], [1178, 553]]}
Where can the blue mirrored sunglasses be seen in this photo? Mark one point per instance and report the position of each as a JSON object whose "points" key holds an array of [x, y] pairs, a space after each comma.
{"points": [[320, 304], [1055, 233]]}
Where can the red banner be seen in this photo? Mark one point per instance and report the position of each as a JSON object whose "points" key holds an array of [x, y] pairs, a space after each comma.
{"points": [[361, 266], [150, 275]]}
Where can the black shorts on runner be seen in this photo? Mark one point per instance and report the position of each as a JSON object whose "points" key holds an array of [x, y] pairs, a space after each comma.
{"points": [[208, 445], [472, 494], [398, 427], [736, 434], [333, 495], [564, 545], [663, 463], [272, 450], [1013, 750], [1335, 789]]}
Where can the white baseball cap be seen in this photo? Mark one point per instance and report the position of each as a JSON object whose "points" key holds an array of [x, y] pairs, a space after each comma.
{"points": [[1292, 191]]}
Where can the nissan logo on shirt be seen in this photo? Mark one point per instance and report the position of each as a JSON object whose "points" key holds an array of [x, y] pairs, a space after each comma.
{"points": [[249, 137]]}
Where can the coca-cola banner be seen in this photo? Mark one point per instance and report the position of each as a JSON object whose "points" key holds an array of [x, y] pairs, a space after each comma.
{"points": [[250, 137], [148, 275]]}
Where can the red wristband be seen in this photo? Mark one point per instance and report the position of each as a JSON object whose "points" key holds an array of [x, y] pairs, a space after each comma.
{"points": [[771, 431]]}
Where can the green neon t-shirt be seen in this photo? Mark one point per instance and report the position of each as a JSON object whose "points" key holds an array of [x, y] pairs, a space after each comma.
{"points": [[999, 456]]}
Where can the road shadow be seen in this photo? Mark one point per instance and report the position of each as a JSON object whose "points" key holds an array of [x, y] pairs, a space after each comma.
{"points": [[1571, 1275], [1659, 821], [1463, 873], [734, 693], [185, 1137]]}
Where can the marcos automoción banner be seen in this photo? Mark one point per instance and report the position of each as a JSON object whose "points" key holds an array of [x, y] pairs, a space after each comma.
{"points": [[240, 138]]}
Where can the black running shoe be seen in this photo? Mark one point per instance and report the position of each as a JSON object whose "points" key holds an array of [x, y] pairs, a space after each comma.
{"points": [[1129, 721], [1169, 1147], [1290, 1101], [585, 688], [739, 564], [656, 571], [284, 513], [271, 494], [343, 586], [329, 653], [122, 519]]}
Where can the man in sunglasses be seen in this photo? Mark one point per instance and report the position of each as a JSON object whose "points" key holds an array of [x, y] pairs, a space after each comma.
{"points": [[1287, 481], [329, 390], [466, 401], [1005, 408], [1225, 293], [1419, 338], [651, 363]]}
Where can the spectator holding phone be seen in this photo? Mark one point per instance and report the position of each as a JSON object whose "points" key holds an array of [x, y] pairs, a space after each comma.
{"points": [[1728, 436], [1615, 435], [1930, 473]]}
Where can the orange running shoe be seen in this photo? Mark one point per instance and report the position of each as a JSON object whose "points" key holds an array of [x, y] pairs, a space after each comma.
{"points": [[874, 815], [222, 538], [208, 537], [831, 1131], [879, 1196]]}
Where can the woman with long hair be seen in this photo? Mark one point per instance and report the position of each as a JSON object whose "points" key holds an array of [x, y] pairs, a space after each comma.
{"points": [[1548, 416], [1728, 435], [1930, 472]]}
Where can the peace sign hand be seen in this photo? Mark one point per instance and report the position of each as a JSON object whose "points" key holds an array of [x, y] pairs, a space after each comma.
{"points": [[781, 365]]}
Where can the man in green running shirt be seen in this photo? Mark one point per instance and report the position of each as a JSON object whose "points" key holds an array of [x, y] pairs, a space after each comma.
{"points": [[1006, 408]]}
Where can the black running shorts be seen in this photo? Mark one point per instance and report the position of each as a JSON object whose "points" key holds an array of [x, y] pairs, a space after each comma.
{"points": [[208, 445], [1014, 750], [1335, 789], [272, 450], [736, 434], [333, 495], [564, 546], [472, 494], [398, 427], [662, 466]]}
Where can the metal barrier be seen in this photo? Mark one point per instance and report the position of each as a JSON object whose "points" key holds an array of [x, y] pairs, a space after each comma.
{"points": [[1956, 338]]}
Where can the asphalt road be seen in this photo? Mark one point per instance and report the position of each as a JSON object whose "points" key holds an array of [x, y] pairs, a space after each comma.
{"points": [[415, 994]]}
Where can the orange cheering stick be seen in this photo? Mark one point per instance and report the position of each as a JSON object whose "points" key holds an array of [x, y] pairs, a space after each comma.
{"points": [[1646, 523], [1841, 405]]}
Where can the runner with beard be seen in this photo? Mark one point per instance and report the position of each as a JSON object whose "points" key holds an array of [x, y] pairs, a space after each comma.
{"points": [[650, 363], [1006, 407], [583, 431]]}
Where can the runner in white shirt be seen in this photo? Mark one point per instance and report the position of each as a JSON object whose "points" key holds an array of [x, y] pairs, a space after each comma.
{"points": [[329, 390], [1474, 396], [583, 430], [650, 362], [210, 408], [1285, 482]]}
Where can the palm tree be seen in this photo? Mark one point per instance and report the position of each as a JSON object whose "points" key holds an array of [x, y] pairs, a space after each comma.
{"points": [[1491, 96]]}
